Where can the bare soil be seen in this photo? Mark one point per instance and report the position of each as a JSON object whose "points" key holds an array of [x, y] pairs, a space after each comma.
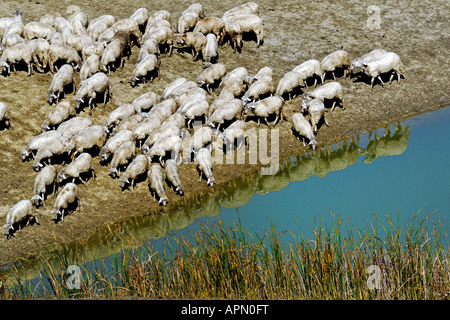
{"points": [[294, 31]]}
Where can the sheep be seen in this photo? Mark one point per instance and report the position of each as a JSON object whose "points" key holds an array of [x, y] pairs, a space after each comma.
{"points": [[239, 73], [5, 118], [61, 79], [5, 22], [113, 51], [164, 130], [176, 120], [228, 111], [66, 197], [121, 157], [148, 66], [129, 26], [63, 111], [388, 62], [156, 177], [92, 136], [150, 46], [291, 81], [127, 124], [172, 175], [37, 141], [158, 15], [171, 86], [47, 150], [209, 53], [89, 88], [41, 49], [201, 137], [107, 19], [248, 7], [89, 67], [179, 98], [188, 101], [264, 72], [81, 17], [45, 178], [69, 128], [89, 49], [251, 23], [163, 35], [235, 86], [11, 40], [145, 128], [258, 89], [78, 24], [358, 62], [211, 25], [154, 25], [81, 164], [336, 59], [316, 110], [114, 143], [63, 52], [221, 100], [204, 165], [197, 109], [196, 8], [187, 22], [60, 22], [49, 18], [234, 32], [15, 54], [165, 144], [265, 107], [140, 17], [14, 28], [329, 91], [162, 110], [96, 29], [211, 75], [17, 214], [145, 101], [303, 128], [121, 112], [76, 41], [136, 168], [195, 40], [235, 131], [182, 91], [309, 68], [106, 36], [35, 29]]}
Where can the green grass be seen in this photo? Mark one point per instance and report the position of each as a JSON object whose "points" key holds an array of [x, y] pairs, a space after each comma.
{"points": [[227, 261]]}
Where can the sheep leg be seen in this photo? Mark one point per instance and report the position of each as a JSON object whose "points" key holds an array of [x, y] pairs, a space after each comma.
{"points": [[382, 83], [371, 83], [398, 76], [258, 121], [334, 77], [265, 119], [334, 104], [276, 120]]}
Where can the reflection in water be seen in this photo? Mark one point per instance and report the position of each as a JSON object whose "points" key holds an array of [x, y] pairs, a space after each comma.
{"points": [[319, 162]]}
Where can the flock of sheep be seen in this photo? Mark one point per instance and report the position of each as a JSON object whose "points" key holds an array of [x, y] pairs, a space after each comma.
{"points": [[147, 136]]}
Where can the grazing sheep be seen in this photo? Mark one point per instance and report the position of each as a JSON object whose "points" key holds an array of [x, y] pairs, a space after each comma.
{"points": [[16, 53], [47, 150], [163, 131], [89, 88], [108, 19], [45, 178], [150, 46], [76, 41], [233, 31], [201, 138], [388, 62], [183, 91], [235, 131], [179, 98], [129, 26], [136, 168], [162, 110], [166, 144], [156, 177], [235, 86], [251, 23], [114, 51], [90, 67], [264, 72], [14, 28], [195, 110], [158, 15], [336, 59], [89, 49], [191, 99], [211, 75], [37, 142], [148, 66], [239, 73], [140, 16], [211, 25], [187, 22], [95, 30], [194, 40], [163, 35], [58, 115], [113, 143], [81, 164], [204, 160], [5, 119], [11, 40], [291, 81], [145, 102], [17, 214], [41, 49], [196, 8], [78, 28], [358, 62], [172, 175], [66, 197], [61, 79], [329, 91], [144, 128], [176, 120], [49, 18], [258, 89], [221, 100], [36, 29], [81, 17], [5, 22], [121, 157], [92, 136], [309, 68], [156, 24], [65, 53], [209, 53], [303, 128], [127, 124], [245, 8], [268, 106], [316, 111], [69, 128], [227, 112], [121, 112], [106, 36]]}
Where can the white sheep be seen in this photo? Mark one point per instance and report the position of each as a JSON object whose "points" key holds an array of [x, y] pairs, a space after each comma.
{"points": [[221, 100], [106, 36], [63, 111], [107, 19], [316, 111], [204, 161], [388, 62], [329, 91], [91, 137], [41, 49], [171, 86], [76, 41], [156, 177], [150, 46], [162, 110], [251, 23], [121, 157], [65, 53], [163, 35], [69, 128], [11, 40], [236, 86], [194, 40], [309, 68], [227, 112], [172, 175], [147, 68], [89, 49], [196, 8], [154, 25], [49, 18], [44, 179], [211, 25], [114, 51], [113, 143], [129, 26], [121, 112], [209, 52], [187, 22], [37, 141], [127, 124], [289, 84], [176, 120], [247, 7], [163, 131], [80, 165], [268, 106], [235, 131], [61, 79], [36, 29], [17, 214], [5, 118], [212, 74], [303, 128], [164, 145], [144, 128], [89, 67], [15, 54], [358, 62], [89, 88], [264, 72], [201, 138], [140, 16], [261, 87], [66, 197], [136, 168], [14, 28], [47, 150], [5, 22], [145, 101], [336, 59], [189, 100], [196, 110]]}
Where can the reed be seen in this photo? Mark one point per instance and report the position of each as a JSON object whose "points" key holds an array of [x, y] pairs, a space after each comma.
{"points": [[410, 261]]}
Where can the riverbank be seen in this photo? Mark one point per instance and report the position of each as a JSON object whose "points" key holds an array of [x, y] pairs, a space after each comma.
{"points": [[294, 32]]}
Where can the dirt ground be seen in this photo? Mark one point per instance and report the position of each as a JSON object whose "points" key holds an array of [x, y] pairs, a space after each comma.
{"points": [[294, 31]]}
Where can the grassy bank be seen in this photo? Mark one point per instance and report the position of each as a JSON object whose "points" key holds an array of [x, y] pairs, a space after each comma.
{"points": [[385, 261]]}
